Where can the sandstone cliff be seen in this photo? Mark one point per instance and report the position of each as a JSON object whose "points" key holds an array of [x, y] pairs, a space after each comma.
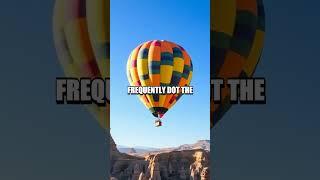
{"points": [[175, 165]]}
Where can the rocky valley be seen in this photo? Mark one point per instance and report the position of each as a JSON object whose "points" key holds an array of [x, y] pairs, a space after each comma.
{"points": [[187, 162]]}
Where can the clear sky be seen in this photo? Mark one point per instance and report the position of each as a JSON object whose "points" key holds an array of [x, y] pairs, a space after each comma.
{"points": [[186, 23]]}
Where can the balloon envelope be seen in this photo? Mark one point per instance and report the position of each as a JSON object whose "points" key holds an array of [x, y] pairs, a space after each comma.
{"points": [[237, 36], [159, 63], [81, 37]]}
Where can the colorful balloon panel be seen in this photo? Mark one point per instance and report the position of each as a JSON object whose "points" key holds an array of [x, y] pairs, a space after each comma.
{"points": [[81, 36], [237, 36], [159, 63]]}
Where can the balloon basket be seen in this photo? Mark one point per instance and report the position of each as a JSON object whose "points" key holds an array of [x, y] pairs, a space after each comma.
{"points": [[158, 123]]}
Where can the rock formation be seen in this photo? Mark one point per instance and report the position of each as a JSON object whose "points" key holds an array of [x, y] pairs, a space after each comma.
{"points": [[175, 165], [199, 168]]}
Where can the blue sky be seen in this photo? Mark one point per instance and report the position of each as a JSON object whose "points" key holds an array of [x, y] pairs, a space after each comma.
{"points": [[186, 23]]}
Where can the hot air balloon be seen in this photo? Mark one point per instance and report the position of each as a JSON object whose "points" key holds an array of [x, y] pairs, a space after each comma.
{"points": [[159, 63], [81, 37], [237, 36]]}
